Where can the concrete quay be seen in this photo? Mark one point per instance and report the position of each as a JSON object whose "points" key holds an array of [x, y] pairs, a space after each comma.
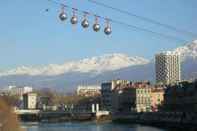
{"points": [[164, 119], [58, 116]]}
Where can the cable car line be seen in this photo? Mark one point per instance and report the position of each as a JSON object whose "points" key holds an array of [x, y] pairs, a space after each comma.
{"points": [[143, 18], [96, 26]]}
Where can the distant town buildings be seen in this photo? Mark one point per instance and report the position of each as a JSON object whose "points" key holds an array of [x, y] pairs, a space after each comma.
{"points": [[168, 68], [44, 102], [30, 100], [18, 91], [89, 91], [137, 97], [106, 92]]}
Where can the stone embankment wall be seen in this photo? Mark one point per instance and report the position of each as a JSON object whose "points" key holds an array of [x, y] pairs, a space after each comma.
{"points": [[158, 118]]}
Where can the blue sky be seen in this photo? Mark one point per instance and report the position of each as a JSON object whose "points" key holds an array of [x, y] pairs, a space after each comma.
{"points": [[30, 36]]}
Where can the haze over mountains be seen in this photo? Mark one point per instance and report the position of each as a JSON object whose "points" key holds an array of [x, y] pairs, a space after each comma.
{"points": [[94, 65], [95, 70]]}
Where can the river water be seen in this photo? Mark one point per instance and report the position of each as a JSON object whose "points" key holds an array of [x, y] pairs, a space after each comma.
{"points": [[89, 126]]}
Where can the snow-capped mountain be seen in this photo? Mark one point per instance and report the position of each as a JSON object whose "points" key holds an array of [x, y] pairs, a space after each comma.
{"points": [[188, 51], [97, 65], [189, 59], [96, 70]]}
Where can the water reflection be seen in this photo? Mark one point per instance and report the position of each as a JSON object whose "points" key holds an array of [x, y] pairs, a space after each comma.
{"points": [[87, 127]]}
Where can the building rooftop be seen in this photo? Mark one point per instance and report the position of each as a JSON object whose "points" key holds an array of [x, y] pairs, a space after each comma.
{"points": [[168, 53]]}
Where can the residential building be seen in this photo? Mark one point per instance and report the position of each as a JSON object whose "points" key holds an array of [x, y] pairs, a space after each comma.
{"points": [[122, 100], [30, 100], [167, 67], [143, 99], [134, 97], [106, 92], [157, 98], [89, 91], [181, 97]]}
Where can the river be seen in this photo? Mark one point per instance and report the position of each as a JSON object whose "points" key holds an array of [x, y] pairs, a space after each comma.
{"points": [[88, 126]]}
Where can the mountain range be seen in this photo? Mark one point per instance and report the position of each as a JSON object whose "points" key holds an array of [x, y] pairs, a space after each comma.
{"points": [[95, 70]]}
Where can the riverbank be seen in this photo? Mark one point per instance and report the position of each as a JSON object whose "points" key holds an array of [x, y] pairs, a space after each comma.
{"points": [[160, 119], [59, 117], [172, 120], [55, 117], [88, 126], [85, 125]]}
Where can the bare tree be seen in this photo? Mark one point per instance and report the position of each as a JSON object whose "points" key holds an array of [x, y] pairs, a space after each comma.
{"points": [[8, 120]]}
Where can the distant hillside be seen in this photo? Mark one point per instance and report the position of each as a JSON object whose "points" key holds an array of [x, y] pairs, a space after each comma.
{"points": [[95, 70]]}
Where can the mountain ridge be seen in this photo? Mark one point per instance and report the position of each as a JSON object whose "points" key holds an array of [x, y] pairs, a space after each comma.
{"points": [[99, 64], [188, 50], [107, 67]]}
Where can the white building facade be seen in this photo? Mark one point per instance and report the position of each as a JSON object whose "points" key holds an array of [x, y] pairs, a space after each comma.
{"points": [[30, 100], [15, 90], [167, 67], [89, 91]]}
